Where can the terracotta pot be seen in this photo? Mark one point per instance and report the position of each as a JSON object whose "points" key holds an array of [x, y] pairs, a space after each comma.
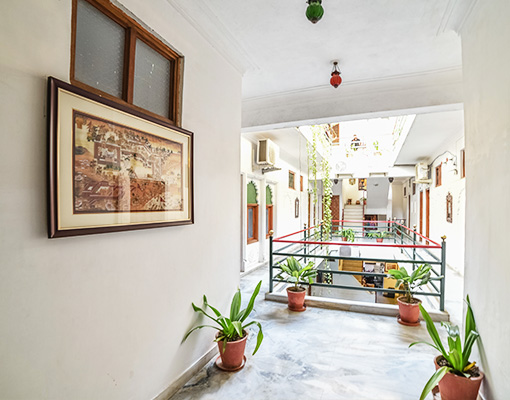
{"points": [[344, 239], [233, 356], [379, 240], [296, 300], [409, 312], [455, 387]]}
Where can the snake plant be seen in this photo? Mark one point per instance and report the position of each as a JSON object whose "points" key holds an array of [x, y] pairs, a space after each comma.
{"points": [[231, 328], [457, 356]]}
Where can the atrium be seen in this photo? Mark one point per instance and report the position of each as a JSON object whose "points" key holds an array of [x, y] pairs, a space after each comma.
{"points": [[174, 149]]}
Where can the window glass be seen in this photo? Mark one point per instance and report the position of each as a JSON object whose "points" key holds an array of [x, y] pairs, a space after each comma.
{"points": [[250, 222], [152, 80], [99, 50]]}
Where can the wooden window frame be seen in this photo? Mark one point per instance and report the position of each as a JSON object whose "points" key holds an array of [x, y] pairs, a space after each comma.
{"points": [[293, 180], [269, 227], [133, 32], [255, 237], [439, 173], [462, 163]]}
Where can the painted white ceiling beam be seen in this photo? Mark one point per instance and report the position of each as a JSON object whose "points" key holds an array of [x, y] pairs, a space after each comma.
{"points": [[418, 93]]}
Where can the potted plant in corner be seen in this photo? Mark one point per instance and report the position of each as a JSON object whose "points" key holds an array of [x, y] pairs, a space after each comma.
{"points": [[408, 306], [297, 274], [232, 334], [378, 236], [347, 235], [456, 376]]}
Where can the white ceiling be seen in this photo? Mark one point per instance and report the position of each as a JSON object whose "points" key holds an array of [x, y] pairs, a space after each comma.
{"points": [[429, 135], [282, 51]]}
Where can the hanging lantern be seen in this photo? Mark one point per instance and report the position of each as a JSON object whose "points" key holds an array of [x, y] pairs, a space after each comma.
{"points": [[336, 79], [314, 11]]}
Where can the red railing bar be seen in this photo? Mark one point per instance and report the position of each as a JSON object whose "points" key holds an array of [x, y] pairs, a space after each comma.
{"points": [[295, 233], [419, 234], [411, 246]]}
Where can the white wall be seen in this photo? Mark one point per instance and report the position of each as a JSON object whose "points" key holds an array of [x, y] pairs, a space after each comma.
{"points": [[397, 200], [350, 191], [284, 199], [103, 316], [451, 182], [486, 61]]}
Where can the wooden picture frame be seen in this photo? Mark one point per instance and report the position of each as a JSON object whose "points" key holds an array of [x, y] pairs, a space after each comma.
{"points": [[449, 208], [112, 168]]}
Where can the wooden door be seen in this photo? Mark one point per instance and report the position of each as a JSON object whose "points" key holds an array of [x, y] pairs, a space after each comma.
{"points": [[335, 211], [421, 213], [427, 213]]}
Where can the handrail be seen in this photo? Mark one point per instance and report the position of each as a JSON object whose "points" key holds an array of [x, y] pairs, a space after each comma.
{"points": [[412, 246]]}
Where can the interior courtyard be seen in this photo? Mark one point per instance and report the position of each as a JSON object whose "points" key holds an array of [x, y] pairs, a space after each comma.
{"points": [[174, 149]]}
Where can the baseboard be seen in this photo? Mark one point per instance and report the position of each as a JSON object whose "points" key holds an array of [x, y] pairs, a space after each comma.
{"points": [[354, 306], [187, 375]]}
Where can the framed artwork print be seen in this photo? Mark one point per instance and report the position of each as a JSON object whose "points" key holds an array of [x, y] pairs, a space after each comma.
{"points": [[112, 168]]}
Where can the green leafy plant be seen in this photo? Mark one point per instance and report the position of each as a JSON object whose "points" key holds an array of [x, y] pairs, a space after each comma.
{"points": [[378, 235], [296, 273], [231, 328], [457, 357], [347, 233], [419, 277]]}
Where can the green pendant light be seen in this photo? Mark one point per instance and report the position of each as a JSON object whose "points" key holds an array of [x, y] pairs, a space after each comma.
{"points": [[314, 11]]}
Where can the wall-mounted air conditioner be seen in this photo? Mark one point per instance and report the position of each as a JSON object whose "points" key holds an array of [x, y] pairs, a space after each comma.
{"points": [[422, 173], [267, 152]]}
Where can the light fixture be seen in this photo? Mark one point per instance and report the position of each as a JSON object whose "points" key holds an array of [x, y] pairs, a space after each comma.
{"points": [[314, 11], [336, 79]]}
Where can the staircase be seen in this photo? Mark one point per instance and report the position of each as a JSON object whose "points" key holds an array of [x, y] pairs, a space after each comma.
{"points": [[353, 212]]}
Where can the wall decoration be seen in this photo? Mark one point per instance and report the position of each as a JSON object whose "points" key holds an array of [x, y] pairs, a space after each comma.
{"points": [[292, 180], [449, 208], [112, 168], [296, 208], [362, 184], [414, 189]]}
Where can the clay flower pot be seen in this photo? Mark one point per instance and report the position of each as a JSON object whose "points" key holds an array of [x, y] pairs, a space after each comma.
{"points": [[379, 240], [232, 358], [409, 312], [455, 387], [296, 299], [344, 239]]}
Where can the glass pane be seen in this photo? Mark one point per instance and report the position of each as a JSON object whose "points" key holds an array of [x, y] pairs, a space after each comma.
{"points": [[99, 50], [152, 80], [267, 221], [250, 222]]}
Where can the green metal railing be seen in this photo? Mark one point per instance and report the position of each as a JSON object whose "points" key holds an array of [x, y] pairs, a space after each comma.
{"points": [[415, 249]]}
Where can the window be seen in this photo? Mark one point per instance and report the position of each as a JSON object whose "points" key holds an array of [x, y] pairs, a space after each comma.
{"points": [[301, 182], [269, 210], [292, 179], [114, 56], [253, 213], [463, 163], [438, 175]]}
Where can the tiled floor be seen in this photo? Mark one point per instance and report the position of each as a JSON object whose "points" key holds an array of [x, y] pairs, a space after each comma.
{"points": [[320, 355]]}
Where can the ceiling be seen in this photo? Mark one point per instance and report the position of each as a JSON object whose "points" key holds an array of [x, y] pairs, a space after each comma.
{"points": [[429, 135], [280, 51]]}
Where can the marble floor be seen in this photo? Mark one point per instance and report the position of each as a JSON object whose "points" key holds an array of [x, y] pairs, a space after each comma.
{"points": [[320, 355]]}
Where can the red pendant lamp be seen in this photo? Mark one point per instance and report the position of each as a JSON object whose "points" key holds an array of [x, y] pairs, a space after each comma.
{"points": [[336, 79]]}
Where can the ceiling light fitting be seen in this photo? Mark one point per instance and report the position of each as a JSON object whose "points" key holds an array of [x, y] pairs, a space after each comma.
{"points": [[314, 11], [336, 79]]}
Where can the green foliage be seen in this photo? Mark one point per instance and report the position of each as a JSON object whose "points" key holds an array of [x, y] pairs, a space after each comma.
{"points": [[231, 328], [456, 356], [419, 277], [295, 273], [327, 190], [378, 235], [347, 233], [312, 172]]}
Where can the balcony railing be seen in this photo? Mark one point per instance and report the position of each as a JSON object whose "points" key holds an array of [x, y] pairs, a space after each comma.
{"points": [[402, 246]]}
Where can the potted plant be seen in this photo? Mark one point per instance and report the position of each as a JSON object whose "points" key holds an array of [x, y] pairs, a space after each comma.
{"points": [[232, 334], [347, 235], [408, 306], [378, 236], [457, 377], [297, 274]]}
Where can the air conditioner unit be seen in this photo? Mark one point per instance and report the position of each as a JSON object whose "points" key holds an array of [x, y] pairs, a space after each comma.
{"points": [[267, 152], [422, 173]]}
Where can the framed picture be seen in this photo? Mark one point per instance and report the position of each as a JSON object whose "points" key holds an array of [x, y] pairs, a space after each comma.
{"points": [[362, 184], [296, 208], [449, 208], [113, 169]]}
